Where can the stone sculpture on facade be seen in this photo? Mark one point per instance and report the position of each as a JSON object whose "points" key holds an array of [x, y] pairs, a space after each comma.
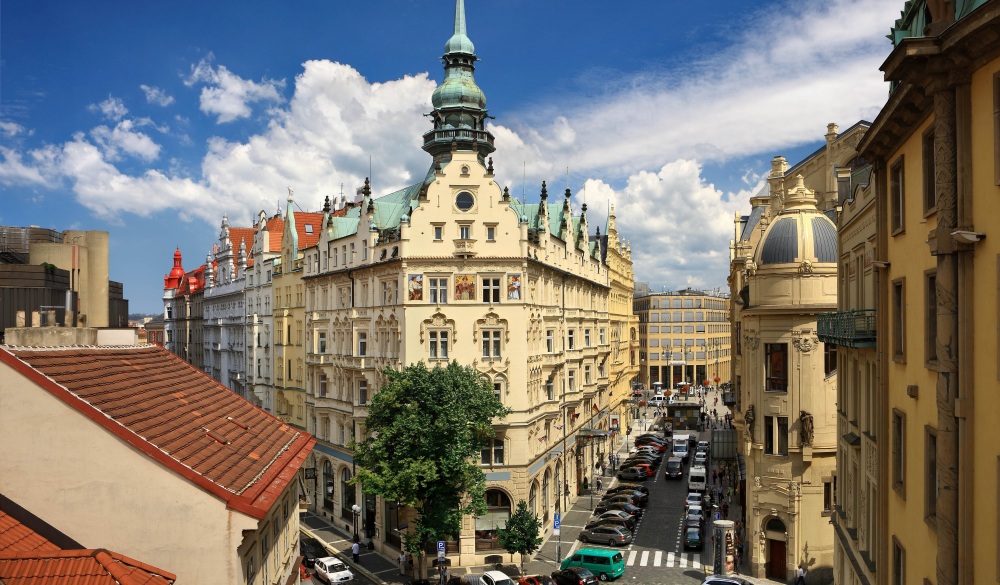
{"points": [[806, 430]]}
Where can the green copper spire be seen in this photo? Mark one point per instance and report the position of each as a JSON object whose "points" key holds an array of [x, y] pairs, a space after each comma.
{"points": [[459, 105], [459, 42]]}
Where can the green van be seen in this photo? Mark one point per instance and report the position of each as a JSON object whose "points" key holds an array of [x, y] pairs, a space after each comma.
{"points": [[605, 563]]}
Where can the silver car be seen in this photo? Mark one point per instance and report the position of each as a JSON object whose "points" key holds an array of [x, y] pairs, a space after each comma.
{"points": [[609, 535]]}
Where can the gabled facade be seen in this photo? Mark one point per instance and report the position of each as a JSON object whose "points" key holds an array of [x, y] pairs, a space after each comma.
{"points": [[183, 293], [454, 268]]}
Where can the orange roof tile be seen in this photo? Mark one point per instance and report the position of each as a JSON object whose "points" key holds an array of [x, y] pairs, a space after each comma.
{"points": [[276, 225], [177, 415], [302, 219], [244, 235], [83, 567], [16, 537]]}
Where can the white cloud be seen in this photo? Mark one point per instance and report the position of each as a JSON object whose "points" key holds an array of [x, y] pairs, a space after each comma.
{"points": [[112, 108], [11, 129], [227, 95], [156, 96], [124, 139]]}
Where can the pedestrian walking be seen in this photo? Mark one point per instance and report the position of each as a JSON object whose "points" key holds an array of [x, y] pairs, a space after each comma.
{"points": [[800, 578], [600, 485], [402, 563], [443, 574], [715, 476], [356, 552]]}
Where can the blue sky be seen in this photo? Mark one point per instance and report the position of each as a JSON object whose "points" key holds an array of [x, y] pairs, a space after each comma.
{"points": [[152, 119]]}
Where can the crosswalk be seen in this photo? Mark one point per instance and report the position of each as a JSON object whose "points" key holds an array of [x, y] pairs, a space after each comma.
{"points": [[681, 560]]}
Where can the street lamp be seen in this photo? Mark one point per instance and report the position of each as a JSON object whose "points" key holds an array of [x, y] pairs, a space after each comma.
{"points": [[356, 509]]}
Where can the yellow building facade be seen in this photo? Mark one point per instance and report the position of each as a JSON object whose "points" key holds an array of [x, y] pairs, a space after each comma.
{"points": [[453, 268], [934, 150]]}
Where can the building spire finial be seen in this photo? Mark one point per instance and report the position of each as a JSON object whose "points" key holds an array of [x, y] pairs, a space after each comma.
{"points": [[459, 17]]}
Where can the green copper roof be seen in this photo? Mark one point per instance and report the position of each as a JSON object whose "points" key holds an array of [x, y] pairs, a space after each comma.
{"points": [[459, 42]]}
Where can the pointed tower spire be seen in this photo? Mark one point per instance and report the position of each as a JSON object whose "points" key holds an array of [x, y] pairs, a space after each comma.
{"points": [[458, 102]]}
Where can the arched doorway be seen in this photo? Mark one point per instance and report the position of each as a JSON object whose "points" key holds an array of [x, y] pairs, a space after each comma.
{"points": [[347, 495], [777, 551], [560, 486]]}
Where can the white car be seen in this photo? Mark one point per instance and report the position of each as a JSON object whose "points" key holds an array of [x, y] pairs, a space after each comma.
{"points": [[700, 458], [693, 499], [333, 570]]}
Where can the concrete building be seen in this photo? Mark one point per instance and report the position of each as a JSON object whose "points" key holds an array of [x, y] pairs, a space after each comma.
{"points": [[933, 148], [684, 336], [67, 272], [129, 447], [454, 268]]}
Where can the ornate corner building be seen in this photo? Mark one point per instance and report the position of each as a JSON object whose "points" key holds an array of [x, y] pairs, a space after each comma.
{"points": [[530, 295], [783, 275]]}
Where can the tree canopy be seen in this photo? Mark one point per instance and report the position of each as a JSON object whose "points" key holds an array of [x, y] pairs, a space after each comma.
{"points": [[425, 430]]}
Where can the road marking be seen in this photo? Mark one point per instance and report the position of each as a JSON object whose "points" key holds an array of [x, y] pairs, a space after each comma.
{"points": [[670, 559], [657, 558], [645, 558], [695, 564], [682, 562], [631, 558]]}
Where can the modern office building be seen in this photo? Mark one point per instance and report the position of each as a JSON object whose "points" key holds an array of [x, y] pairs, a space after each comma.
{"points": [[684, 336]]}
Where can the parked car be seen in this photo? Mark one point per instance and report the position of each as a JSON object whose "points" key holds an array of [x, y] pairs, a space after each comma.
{"points": [[632, 510], [651, 437], [694, 520], [639, 460], [704, 446], [333, 570], [693, 499], [700, 458], [658, 446], [609, 535], [612, 522], [723, 580], [311, 549], [574, 576], [693, 539], [629, 487], [641, 498], [627, 518], [621, 499], [535, 580], [489, 578], [633, 474]]}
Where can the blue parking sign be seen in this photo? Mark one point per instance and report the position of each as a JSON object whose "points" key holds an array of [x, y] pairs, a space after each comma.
{"points": [[440, 546], [558, 520]]}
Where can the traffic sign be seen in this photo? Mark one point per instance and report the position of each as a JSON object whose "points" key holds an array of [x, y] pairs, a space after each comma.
{"points": [[557, 522], [441, 549]]}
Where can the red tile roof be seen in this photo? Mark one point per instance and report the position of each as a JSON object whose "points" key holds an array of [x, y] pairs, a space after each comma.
{"points": [[302, 219], [175, 414], [28, 558], [276, 225], [83, 567], [16, 537], [245, 235]]}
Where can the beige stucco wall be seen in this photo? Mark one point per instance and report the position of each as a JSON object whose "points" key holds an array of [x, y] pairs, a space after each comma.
{"points": [[93, 486]]}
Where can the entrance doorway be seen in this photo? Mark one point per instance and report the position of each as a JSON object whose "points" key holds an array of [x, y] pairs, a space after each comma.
{"points": [[776, 568]]}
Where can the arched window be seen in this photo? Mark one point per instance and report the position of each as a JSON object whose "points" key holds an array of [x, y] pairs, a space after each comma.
{"points": [[775, 525], [533, 498], [497, 513], [328, 480], [347, 495], [545, 494], [560, 486]]}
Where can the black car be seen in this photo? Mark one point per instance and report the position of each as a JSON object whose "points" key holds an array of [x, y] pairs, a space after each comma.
{"points": [[632, 510], [675, 468], [629, 487], [311, 549], [574, 576]]}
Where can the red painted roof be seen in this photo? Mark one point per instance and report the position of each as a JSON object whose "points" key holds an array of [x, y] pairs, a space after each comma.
{"points": [[28, 558], [79, 567], [175, 414]]}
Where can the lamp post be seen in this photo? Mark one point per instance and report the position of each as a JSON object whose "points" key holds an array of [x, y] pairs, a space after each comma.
{"points": [[356, 509]]}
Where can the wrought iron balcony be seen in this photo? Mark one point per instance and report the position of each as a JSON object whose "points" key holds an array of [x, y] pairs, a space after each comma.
{"points": [[854, 328]]}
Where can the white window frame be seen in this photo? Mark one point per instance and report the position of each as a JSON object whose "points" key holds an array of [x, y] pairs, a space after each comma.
{"points": [[492, 341], [438, 344]]}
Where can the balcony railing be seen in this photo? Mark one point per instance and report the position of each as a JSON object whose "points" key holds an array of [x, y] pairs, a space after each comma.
{"points": [[854, 328]]}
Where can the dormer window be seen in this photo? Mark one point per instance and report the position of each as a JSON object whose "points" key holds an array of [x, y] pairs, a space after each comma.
{"points": [[309, 228]]}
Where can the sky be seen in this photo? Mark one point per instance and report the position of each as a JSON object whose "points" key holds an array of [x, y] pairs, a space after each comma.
{"points": [[151, 120]]}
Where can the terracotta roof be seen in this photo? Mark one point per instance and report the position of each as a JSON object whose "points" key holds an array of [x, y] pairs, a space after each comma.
{"points": [[83, 567], [245, 235], [175, 414], [276, 225], [302, 219], [16, 537], [29, 558]]}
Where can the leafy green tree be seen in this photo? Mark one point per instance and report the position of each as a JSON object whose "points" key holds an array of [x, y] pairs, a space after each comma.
{"points": [[522, 534], [426, 428]]}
